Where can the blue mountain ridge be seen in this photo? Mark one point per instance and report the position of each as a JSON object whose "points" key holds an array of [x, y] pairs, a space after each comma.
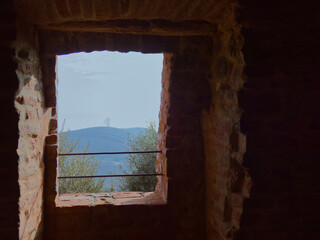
{"points": [[105, 139]]}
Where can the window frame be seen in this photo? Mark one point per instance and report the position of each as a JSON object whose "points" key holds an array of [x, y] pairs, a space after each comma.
{"points": [[176, 57]]}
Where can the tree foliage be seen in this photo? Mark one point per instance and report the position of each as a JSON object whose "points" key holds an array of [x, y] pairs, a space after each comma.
{"points": [[77, 166], [146, 140]]}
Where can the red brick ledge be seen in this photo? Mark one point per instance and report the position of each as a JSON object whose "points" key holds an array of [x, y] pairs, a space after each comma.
{"points": [[115, 198]]}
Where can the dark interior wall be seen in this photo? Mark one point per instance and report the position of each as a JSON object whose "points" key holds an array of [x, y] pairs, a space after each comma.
{"points": [[281, 119], [24, 125], [185, 93], [184, 215], [9, 197]]}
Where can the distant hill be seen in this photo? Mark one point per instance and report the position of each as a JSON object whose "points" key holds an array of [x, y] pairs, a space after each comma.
{"points": [[105, 139]]}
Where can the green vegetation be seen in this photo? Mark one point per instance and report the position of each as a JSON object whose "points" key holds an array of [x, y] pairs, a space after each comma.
{"points": [[77, 166], [145, 140], [141, 163]]}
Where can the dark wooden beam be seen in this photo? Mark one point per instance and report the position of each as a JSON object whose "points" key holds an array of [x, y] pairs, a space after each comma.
{"points": [[154, 27]]}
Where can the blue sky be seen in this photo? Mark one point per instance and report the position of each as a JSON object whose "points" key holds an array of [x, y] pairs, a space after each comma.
{"points": [[122, 87]]}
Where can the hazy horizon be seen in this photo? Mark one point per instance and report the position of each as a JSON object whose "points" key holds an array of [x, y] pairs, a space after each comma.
{"points": [[124, 128]]}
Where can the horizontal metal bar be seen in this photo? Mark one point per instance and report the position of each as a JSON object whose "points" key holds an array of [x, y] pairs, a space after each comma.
{"points": [[105, 153], [115, 175]]}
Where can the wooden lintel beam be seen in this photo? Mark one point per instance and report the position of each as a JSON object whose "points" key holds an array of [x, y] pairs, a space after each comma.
{"points": [[154, 27]]}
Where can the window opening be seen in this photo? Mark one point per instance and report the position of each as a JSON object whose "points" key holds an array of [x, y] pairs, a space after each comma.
{"points": [[103, 97]]}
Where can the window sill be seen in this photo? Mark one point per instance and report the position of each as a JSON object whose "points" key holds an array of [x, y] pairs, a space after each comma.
{"points": [[116, 199]]}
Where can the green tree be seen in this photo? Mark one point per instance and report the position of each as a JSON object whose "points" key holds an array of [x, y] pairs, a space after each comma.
{"points": [[146, 140], [77, 166]]}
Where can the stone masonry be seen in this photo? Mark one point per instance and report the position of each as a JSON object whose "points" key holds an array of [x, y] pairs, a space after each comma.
{"points": [[239, 119]]}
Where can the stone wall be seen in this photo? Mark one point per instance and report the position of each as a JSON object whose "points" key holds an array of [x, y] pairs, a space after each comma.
{"points": [[279, 101], [24, 128], [204, 182], [228, 182], [33, 128], [32, 131], [9, 197], [281, 119], [185, 92]]}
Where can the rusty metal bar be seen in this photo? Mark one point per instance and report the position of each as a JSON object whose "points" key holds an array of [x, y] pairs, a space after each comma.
{"points": [[105, 153], [115, 175]]}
